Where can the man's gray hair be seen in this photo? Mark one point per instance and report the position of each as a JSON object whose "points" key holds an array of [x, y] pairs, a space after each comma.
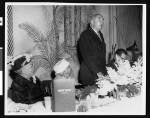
{"points": [[94, 16]]}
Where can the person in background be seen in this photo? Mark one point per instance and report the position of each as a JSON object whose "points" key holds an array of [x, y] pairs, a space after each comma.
{"points": [[118, 62], [134, 49], [25, 87], [92, 48], [135, 54], [130, 56], [139, 59], [63, 70], [120, 57], [138, 54], [73, 63]]}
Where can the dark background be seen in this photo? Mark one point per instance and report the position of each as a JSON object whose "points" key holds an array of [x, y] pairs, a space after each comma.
{"points": [[1, 59]]}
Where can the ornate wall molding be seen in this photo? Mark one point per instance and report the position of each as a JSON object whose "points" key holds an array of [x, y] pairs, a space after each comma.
{"points": [[10, 40]]}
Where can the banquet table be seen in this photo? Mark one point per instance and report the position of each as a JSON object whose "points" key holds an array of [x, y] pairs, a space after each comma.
{"points": [[109, 106]]}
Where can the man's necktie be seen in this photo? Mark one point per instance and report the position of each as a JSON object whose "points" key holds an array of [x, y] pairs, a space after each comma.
{"points": [[99, 35]]}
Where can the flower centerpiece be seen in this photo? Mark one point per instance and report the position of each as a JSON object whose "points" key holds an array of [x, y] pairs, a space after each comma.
{"points": [[127, 81], [105, 85], [90, 95], [128, 78]]}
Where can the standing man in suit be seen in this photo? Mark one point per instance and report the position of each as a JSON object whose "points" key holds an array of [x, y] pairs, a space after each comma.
{"points": [[93, 51]]}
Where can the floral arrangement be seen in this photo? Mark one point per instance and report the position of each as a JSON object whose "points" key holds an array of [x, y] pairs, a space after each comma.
{"points": [[83, 107], [105, 85], [128, 78], [126, 82], [126, 74], [82, 93], [90, 95]]}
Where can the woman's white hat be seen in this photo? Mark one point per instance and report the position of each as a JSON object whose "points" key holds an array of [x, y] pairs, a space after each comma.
{"points": [[60, 66]]}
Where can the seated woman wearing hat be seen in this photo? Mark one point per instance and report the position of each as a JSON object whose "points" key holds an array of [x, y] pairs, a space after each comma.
{"points": [[23, 89], [73, 65], [63, 70]]}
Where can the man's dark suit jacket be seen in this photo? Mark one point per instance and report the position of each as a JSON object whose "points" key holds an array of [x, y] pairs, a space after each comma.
{"points": [[93, 52]]}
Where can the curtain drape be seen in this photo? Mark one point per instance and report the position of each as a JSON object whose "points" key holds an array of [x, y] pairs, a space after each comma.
{"points": [[76, 23], [76, 19], [129, 26]]}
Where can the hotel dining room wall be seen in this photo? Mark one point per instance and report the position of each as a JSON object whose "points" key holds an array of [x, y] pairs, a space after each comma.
{"points": [[25, 20], [58, 27]]}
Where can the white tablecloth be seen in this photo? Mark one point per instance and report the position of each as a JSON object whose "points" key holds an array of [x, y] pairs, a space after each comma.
{"points": [[125, 106]]}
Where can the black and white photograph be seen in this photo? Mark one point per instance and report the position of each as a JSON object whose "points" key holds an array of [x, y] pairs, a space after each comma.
{"points": [[75, 59]]}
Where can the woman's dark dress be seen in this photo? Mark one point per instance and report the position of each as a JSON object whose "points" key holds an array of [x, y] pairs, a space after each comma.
{"points": [[25, 91]]}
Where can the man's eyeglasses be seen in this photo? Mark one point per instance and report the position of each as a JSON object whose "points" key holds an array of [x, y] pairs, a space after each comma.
{"points": [[122, 58]]}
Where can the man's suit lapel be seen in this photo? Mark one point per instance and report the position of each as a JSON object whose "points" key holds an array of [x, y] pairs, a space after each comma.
{"points": [[101, 43], [101, 35], [96, 37]]}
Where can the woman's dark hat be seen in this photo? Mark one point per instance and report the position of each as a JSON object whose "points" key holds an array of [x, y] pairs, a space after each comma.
{"points": [[19, 63]]}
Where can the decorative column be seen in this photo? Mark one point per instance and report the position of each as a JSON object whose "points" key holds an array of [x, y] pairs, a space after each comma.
{"points": [[55, 36], [77, 22], [10, 40], [67, 25]]}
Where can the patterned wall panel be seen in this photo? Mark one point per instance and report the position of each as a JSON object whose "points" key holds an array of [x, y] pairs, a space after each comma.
{"points": [[10, 46], [77, 23]]}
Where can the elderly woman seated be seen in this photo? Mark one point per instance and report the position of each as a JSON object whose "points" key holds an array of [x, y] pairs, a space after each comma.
{"points": [[25, 88], [63, 70]]}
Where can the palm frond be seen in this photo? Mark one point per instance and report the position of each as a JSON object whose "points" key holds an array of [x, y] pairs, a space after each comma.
{"points": [[46, 17], [61, 48], [49, 45], [36, 35], [31, 30], [46, 66], [39, 61], [52, 44], [45, 14], [55, 40]]}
